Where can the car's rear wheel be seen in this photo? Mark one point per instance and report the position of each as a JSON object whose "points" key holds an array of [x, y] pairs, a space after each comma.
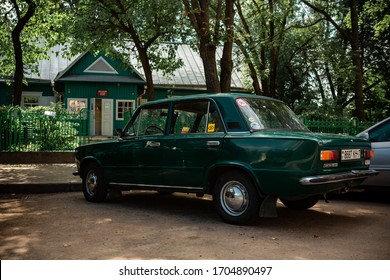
{"points": [[301, 204], [94, 188], [236, 198]]}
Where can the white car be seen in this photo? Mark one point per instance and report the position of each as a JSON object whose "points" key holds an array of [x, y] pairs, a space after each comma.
{"points": [[379, 135]]}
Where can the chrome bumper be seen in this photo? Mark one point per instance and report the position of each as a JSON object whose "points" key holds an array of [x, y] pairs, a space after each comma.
{"points": [[337, 178]]}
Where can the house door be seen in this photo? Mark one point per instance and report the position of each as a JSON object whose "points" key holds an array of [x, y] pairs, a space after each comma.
{"points": [[102, 117], [107, 116], [92, 116]]}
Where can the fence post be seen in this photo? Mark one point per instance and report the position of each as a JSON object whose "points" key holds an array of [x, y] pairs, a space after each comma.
{"points": [[84, 120], [14, 116], [354, 126]]}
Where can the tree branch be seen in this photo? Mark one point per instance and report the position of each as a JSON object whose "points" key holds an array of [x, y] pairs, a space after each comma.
{"points": [[346, 35]]}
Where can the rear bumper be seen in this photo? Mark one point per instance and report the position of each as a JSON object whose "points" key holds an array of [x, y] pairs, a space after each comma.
{"points": [[344, 177]]}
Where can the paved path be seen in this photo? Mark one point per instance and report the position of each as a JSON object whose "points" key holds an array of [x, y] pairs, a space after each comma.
{"points": [[32, 178]]}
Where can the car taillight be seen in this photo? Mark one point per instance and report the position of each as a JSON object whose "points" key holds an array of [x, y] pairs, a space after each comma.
{"points": [[327, 155], [368, 154]]}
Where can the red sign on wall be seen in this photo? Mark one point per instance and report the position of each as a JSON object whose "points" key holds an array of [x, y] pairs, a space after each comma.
{"points": [[102, 92]]}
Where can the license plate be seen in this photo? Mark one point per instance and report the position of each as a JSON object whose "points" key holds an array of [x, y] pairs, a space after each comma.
{"points": [[351, 154]]}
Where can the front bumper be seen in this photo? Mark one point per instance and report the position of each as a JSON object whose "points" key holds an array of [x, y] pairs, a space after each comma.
{"points": [[346, 177]]}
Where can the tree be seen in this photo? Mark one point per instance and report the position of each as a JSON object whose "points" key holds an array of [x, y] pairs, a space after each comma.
{"points": [[28, 29], [352, 37], [260, 33], [129, 27], [374, 38], [207, 18]]}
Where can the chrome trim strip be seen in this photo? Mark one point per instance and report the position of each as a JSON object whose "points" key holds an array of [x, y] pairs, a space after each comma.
{"points": [[337, 178], [155, 186]]}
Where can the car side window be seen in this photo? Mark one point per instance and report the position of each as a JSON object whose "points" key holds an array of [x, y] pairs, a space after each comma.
{"points": [[151, 121], [381, 133], [196, 117]]}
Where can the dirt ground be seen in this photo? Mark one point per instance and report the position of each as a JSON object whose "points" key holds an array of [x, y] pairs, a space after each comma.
{"points": [[146, 225]]}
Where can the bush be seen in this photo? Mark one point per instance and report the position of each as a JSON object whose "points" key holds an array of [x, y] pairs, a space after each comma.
{"points": [[40, 129]]}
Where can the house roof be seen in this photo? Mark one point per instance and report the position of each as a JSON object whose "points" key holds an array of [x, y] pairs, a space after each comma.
{"points": [[49, 68], [97, 69], [190, 75]]}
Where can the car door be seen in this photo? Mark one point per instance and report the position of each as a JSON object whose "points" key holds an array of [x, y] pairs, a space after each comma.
{"points": [[195, 141], [380, 142], [140, 153]]}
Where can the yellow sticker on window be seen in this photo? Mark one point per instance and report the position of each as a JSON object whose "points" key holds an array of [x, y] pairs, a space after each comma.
{"points": [[185, 130], [211, 127]]}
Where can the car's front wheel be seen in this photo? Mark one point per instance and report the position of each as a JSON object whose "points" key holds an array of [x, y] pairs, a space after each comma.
{"points": [[236, 198], [301, 204], [94, 188]]}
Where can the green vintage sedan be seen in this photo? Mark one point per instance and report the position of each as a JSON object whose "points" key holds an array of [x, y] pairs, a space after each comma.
{"points": [[245, 150]]}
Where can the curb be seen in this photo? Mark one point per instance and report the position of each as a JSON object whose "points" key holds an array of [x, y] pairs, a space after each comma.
{"points": [[40, 188]]}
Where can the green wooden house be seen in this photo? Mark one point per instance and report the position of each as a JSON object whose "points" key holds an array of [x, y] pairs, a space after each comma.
{"points": [[99, 84]]}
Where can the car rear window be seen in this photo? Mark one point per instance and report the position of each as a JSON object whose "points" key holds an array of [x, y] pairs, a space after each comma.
{"points": [[268, 114]]}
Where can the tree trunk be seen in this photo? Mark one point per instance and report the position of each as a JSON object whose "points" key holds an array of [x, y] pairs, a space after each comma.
{"points": [[198, 13], [263, 62], [273, 54], [227, 57], [147, 71], [330, 81], [18, 75], [357, 61], [320, 86], [252, 68], [207, 53], [250, 54], [18, 51]]}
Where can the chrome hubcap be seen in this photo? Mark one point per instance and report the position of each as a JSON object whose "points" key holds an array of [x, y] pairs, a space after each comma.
{"points": [[234, 198], [91, 183]]}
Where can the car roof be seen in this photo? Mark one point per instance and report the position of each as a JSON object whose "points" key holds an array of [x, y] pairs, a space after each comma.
{"points": [[230, 95], [373, 126]]}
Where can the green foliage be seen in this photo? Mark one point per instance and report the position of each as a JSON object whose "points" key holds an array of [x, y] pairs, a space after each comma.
{"points": [[112, 26], [37, 130], [315, 74], [39, 35], [375, 38]]}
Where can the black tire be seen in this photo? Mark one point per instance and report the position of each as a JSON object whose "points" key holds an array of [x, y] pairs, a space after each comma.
{"points": [[94, 187], [301, 204], [236, 199]]}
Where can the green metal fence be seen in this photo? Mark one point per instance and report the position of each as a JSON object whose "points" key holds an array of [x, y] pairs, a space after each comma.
{"points": [[349, 127], [25, 131]]}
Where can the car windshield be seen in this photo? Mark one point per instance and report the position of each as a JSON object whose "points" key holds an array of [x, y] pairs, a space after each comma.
{"points": [[268, 114]]}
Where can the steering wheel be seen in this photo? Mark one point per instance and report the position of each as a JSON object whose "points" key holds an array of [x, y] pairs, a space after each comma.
{"points": [[153, 127]]}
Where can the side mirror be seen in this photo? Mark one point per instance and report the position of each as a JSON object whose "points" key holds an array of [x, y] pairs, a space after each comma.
{"points": [[119, 132], [365, 135]]}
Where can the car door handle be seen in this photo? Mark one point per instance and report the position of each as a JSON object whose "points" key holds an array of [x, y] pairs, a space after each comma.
{"points": [[213, 143], [152, 144]]}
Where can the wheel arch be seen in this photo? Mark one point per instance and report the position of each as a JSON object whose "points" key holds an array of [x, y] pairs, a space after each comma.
{"points": [[86, 161], [218, 169]]}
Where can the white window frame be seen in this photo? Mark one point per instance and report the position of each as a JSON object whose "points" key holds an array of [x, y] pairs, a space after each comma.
{"points": [[31, 94], [76, 109], [110, 71], [132, 107]]}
